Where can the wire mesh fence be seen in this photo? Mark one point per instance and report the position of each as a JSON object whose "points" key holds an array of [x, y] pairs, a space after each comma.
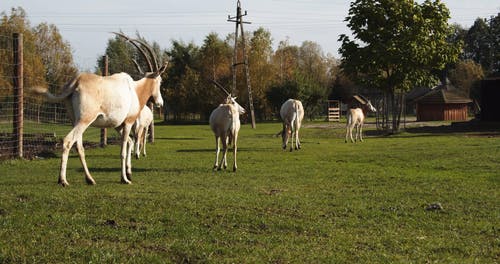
{"points": [[44, 124]]}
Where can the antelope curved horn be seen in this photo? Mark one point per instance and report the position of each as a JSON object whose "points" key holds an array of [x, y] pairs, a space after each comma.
{"points": [[220, 87], [151, 53], [141, 50], [139, 69]]}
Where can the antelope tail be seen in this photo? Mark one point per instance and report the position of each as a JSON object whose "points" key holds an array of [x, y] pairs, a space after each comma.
{"points": [[68, 89], [296, 117]]}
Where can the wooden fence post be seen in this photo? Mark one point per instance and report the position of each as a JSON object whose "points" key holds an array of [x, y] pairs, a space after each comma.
{"points": [[18, 125], [104, 131]]}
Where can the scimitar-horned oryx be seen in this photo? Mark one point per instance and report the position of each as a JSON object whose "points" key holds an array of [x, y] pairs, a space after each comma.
{"points": [[356, 118], [107, 102], [140, 130], [292, 113], [225, 123]]}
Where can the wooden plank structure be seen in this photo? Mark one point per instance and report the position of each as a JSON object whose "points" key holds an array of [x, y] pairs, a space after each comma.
{"points": [[443, 103], [334, 110]]}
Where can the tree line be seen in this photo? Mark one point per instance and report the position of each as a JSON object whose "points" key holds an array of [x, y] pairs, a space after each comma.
{"points": [[302, 72], [395, 46]]}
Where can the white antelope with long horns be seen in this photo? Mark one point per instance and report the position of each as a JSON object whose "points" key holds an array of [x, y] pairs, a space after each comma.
{"points": [[225, 123], [107, 102], [356, 118], [292, 113], [140, 130]]}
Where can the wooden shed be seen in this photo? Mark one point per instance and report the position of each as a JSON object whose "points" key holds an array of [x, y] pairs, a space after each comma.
{"points": [[443, 103]]}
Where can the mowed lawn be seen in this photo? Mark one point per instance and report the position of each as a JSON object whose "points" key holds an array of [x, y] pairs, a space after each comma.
{"points": [[415, 197]]}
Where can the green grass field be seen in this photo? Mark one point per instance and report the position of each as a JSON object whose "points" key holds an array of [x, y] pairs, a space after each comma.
{"points": [[330, 202]]}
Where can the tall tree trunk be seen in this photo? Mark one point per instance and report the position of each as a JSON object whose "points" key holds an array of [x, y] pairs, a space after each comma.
{"points": [[395, 108], [387, 111]]}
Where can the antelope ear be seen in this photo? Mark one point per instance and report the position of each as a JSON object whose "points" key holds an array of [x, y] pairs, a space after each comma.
{"points": [[163, 68]]}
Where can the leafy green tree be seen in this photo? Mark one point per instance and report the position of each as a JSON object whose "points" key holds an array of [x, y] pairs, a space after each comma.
{"points": [[279, 92], [56, 55], [34, 68], [286, 60], [312, 62], [182, 77], [466, 77], [342, 87], [261, 70], [478, 44], [458, 35], [214, 62], [495, 44], [120, 57], [396, 45]]}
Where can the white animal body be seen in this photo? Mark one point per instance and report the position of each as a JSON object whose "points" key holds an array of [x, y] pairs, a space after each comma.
{"points": [[140, 129], [225, 123], [292, 113], [107, 102], [355, 119]]}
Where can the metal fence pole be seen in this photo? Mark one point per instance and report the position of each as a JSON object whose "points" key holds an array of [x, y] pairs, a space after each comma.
{"points": [[18, 125]]}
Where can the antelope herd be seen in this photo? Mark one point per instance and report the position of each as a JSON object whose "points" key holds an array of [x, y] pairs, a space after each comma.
{"points": [[117, 101]]}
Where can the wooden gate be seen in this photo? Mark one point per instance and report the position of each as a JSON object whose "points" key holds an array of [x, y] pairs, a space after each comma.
{"points": [[334, 110]]}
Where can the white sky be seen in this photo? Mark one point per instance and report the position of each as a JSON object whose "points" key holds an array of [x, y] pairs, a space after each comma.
{"points": [[86, 24]]}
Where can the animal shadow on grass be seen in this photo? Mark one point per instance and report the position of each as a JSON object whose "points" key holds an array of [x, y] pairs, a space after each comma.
{"points": [[230, 150], [476, 127], [115, 169], [177, 138]]}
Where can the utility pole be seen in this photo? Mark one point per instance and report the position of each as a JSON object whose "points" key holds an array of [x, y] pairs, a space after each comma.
{"points": [[238, 19]]}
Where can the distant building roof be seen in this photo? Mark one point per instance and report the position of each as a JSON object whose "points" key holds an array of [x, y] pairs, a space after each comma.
{"points": [[446, 94]]}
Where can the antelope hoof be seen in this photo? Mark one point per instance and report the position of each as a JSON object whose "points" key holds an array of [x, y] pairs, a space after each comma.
{"points": [[234, 169], [63, 183], [90, 181], [124, 181]]}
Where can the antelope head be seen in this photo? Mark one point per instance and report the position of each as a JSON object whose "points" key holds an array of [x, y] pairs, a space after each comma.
{"points": [[370, 106], [154, 72], [232, 100]]}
